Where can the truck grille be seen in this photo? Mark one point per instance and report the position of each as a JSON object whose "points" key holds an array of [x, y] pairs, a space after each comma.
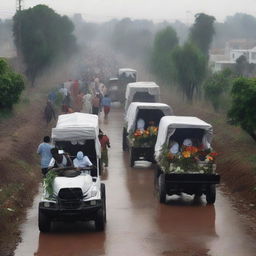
{"points": [[71, 193], [70, 198]]}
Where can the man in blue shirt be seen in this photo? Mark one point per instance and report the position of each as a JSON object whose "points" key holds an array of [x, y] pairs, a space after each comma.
{"points": [[106, 104], [44, 150]]}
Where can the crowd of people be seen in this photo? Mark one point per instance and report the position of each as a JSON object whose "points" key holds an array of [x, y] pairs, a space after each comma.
{"points": [[85, 96]]}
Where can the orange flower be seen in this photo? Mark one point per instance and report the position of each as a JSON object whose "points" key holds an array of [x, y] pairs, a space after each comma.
{"points": [[210, 158], [192, 149], [186, 154]]}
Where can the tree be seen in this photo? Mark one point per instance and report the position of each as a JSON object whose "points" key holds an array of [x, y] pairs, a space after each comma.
{"points": [[41, 35], [217, 88], [165, 41], [244, 68], [11, 86], [243, 108], [201, 33], [191, 68]]}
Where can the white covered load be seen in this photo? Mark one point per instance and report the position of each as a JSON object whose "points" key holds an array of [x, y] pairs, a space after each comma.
{"points": [[131, 115], [169, 124], [141, 87], [77, 127]]}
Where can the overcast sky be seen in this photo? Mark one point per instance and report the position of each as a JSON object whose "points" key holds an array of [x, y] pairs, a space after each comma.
{"points": [[157, 10]]}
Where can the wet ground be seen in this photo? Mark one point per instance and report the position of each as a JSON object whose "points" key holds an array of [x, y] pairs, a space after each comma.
{"points": [[137, 224]]}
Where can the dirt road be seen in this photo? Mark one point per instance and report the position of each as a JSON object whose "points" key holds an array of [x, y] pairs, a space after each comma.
{"points": [[137, 224]]}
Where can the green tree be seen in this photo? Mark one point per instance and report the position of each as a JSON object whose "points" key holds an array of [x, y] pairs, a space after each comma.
{"points": [[165, 42], [217, 88], [202, 31], [11, 86], [243, 108], [41, 36], [191, 68], [244, 68]]}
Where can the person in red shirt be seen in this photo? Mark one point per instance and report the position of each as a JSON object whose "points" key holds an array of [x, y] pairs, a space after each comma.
{"points": [[105, 144]]}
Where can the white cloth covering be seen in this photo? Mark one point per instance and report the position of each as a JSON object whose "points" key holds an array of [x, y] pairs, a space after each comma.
{"points": [[174, 148], [141, 124], [150, 87], [132, 112], [77, 127], [187, 142], [81, 160], [169, 124]]}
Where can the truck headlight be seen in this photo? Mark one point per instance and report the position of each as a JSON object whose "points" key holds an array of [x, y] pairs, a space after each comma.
{"points": [[46, 204], [94, 193]]}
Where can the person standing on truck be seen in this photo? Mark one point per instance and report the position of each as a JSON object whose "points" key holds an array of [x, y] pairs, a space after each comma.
{"points": [[105, 144], [44, 150]]}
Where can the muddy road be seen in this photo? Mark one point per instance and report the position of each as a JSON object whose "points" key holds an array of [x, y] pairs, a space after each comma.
{"points": [[137, 224]]}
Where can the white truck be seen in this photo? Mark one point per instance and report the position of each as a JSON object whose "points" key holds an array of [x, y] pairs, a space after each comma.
{"points": [[70, 193]]}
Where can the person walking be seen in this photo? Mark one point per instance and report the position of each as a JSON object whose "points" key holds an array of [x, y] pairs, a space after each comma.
{"points": [[105, 144], [96, 104], [87, 103], [44, 150], [106, 104], [49, 112]]}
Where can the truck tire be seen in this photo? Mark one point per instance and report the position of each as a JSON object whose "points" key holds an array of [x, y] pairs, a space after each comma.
{"points": [[100, 220], [103, 198], [211, 194], [132, 160], [125, 146], [44, 223], [162, 188]]}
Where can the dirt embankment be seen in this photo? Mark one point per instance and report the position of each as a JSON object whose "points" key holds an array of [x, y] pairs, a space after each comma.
{"points": [[20, 173]]}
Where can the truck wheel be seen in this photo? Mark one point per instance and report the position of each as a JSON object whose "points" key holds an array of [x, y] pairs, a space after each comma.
{"points": [[103, 198], [125, 146], [100, 220], [44, 223], [162, 188], [132, 160], [211, 194]]}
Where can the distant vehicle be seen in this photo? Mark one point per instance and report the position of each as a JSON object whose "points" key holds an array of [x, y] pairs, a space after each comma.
{"points": [[114, 90], [189, 169], [127, 73], [141, 92], [141, 141], [74, 194], [125, 76]]}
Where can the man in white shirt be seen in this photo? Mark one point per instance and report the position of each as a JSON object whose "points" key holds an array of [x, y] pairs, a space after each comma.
{"points": [[81, 161]]}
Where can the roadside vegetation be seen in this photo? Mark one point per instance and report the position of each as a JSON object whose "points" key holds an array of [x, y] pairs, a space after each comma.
{"points": [[11, 87], [41, 37]]}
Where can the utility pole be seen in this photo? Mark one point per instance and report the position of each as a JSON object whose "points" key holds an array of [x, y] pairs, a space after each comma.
{"points": [[19, 5]]}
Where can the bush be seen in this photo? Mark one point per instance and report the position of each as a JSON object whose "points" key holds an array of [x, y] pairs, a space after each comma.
{"points": [[11, 86], [242, 111]]}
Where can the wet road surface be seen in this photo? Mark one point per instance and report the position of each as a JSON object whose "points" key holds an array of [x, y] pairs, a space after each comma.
{"points": [[137, 224]]}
